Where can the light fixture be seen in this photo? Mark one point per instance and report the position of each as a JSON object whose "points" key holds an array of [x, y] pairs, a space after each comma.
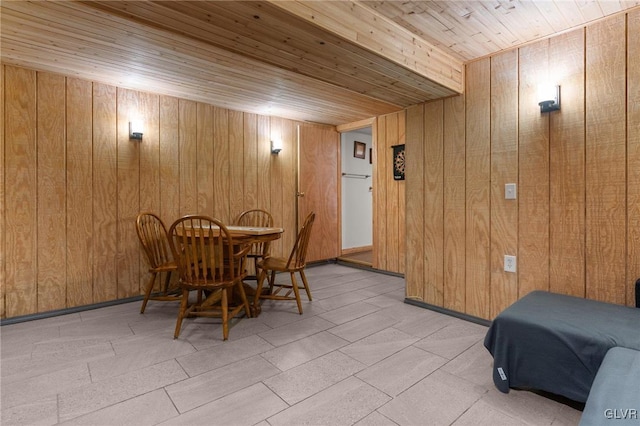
{"points": [[549, 98], [276, 146], [135, 129]]}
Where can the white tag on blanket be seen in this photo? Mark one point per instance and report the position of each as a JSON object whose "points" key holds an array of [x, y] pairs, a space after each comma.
{"points": [[501, 373]]}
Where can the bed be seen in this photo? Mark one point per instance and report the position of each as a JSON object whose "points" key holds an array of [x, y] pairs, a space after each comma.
{"points": [[556, 343]]}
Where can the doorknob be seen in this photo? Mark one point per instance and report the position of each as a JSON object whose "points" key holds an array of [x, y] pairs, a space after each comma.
{"points": [[300, 194]]}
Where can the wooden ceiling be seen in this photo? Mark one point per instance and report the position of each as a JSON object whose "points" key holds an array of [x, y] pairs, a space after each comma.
{"points": [[331, 62], [468, 30]]}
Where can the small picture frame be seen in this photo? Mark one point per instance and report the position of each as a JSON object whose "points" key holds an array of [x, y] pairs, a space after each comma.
{"points": [[359, 149]]}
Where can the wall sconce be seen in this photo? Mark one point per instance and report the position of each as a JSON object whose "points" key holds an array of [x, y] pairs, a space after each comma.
{"points": [[276, 146], [135, 130], [549, 98]]}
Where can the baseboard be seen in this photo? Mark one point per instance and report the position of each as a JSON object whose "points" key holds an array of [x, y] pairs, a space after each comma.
{"points": [[66, 311], [449, 312]]}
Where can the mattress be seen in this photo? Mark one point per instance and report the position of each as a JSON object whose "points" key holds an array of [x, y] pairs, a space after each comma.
{"points": [[556, 343]]}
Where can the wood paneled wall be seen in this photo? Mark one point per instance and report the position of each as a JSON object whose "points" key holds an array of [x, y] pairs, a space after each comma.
{"points": [[575, 224], [72, 182], [388, 195]]}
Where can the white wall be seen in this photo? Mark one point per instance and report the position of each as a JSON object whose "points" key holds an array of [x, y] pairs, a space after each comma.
{"points": [[357, 199]]}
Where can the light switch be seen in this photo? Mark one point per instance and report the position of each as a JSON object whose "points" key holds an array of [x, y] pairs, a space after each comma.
{"points": [[510, 191]]}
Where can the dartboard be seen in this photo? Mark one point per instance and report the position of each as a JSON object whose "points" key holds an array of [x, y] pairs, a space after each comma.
{"points": [[399, 162]]}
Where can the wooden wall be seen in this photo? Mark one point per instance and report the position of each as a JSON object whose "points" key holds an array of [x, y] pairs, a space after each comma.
{"points": [[575, 224], [388, 195], [72, 183], [73, 178]]}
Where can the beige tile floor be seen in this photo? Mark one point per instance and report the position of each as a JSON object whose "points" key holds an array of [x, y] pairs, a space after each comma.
{"points": [[357, 356]]}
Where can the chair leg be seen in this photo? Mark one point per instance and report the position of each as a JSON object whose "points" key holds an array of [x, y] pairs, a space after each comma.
{"points": [[148, 291], [183, 309], [256, 269], [167, 281], [245, 302], [256, 297], [224, 304], [296, 291], [272, 281], [306, 284]]}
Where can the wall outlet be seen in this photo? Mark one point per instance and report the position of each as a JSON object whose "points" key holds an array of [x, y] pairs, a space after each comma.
{"points": [[509, 263]]}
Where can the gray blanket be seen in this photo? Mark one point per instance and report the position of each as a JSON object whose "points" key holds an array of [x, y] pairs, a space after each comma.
{"points": [[615, 394], [556, 343]]}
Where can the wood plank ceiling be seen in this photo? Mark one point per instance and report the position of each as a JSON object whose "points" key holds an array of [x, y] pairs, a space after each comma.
{"points": [[331, 62]]}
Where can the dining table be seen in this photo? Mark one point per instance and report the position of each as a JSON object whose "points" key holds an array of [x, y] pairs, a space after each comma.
{"points": [[251, 235], [254, 234]]}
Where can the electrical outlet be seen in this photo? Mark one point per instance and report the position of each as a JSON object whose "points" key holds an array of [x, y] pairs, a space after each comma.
{"points": [[509, 191], [509, 263]]}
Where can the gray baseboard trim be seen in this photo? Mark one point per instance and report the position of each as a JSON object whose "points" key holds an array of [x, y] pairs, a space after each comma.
{"points": [[449, 312], [66, 311], [320, 263], [367, 268]]}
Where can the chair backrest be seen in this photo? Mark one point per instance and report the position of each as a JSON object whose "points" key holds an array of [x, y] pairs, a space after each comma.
{"points": [[204, 251], [254, 217], [153, 236], [297, 258], [259, 218]]}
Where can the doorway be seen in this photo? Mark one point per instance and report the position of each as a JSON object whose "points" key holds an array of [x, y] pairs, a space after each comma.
{"points": [[357, 196]]}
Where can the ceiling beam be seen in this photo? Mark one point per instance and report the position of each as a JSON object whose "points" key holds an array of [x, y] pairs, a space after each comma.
{"points": [[372, 31]]}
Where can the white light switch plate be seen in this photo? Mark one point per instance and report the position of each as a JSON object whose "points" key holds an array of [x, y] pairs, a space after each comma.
{"points": [[510, 191]]}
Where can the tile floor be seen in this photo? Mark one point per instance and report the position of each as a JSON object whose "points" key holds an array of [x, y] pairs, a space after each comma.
{"points": [[357, 356]]}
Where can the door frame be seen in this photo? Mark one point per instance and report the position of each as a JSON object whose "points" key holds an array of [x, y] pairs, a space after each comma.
{"points": [[350, 127]]}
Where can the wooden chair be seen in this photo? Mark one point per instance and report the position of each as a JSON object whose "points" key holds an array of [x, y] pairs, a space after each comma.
{"points": [[259, 218], [209, 263], [153, 236], [295, 263]]}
